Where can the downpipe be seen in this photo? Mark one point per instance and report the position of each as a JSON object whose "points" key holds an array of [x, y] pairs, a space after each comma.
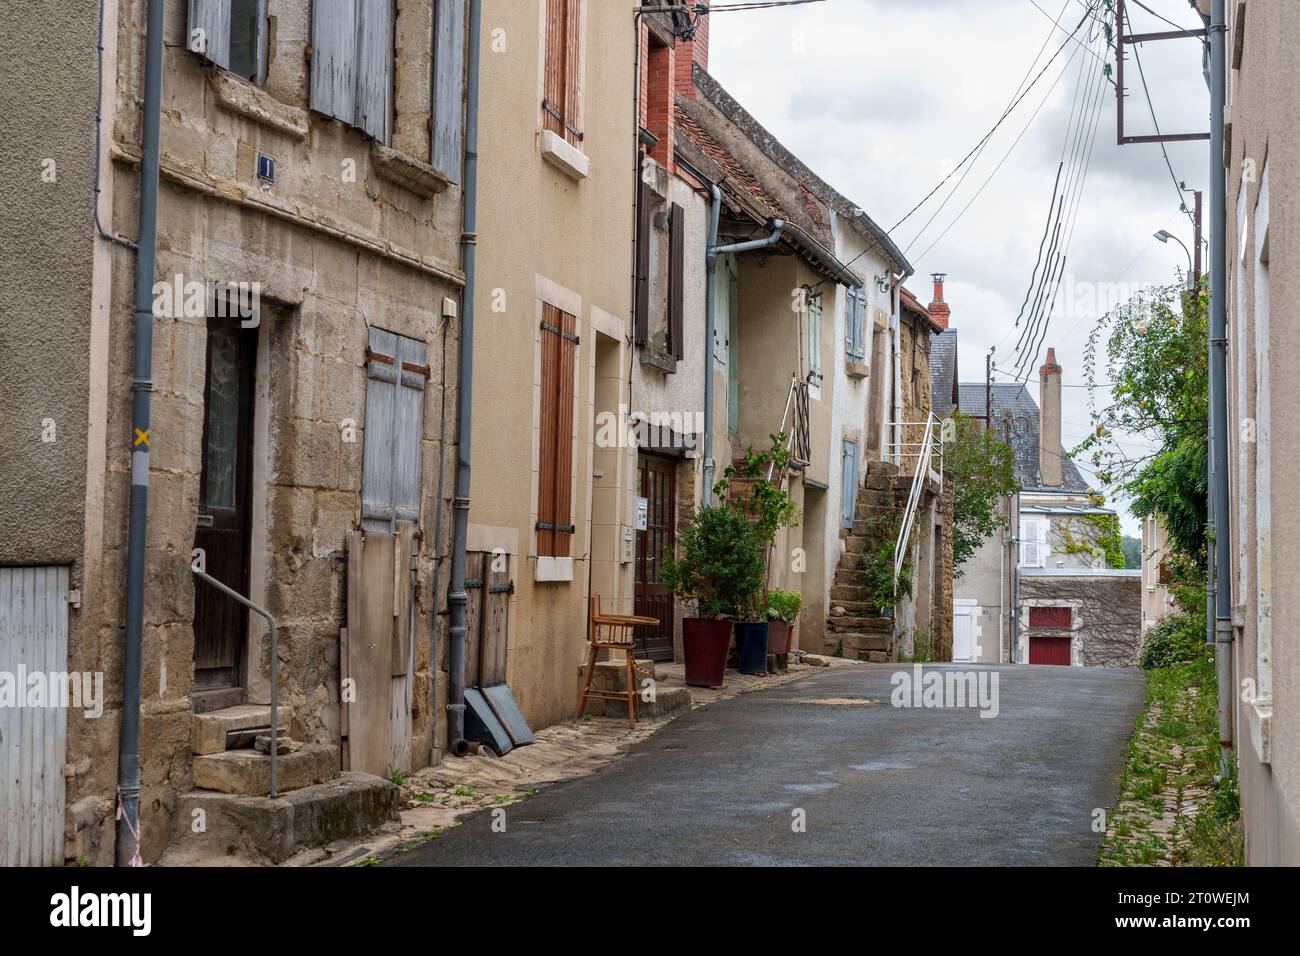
{"points": [[456, 597], [127, 848]]}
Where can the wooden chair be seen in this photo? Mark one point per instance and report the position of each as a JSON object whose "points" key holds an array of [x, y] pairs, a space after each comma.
{"points": [[615, 632]]}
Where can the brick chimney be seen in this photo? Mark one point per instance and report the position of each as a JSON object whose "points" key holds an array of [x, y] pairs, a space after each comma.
{"points": [[938, 309], [689, 52], [1049, 429]]}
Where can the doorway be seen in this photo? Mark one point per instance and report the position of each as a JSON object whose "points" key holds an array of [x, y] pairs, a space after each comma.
{"points": [[222, 532], [657, 483]]}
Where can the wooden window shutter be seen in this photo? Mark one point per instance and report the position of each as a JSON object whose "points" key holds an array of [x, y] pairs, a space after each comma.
{"points": [[559, 342], [849, 485], [641, 321], [208, 31], [562, 70], [676, 279], [352, 63], [448, 88], [391, 464]]}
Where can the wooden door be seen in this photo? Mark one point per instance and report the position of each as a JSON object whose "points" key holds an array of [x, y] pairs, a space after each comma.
{"points": [[1049, 650], [657, 482], [221, 624]]}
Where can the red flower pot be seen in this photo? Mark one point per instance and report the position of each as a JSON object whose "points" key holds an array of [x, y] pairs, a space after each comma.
{"points": [[779, 634], [705, 643]]}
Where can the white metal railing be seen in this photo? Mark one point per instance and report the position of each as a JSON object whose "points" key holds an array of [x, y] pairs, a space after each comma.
{"points": [[924, 454]]}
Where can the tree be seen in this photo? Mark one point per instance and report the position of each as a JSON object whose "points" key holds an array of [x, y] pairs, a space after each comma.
{"points": [[981, 468], [1156, 362], [1132, 551]]}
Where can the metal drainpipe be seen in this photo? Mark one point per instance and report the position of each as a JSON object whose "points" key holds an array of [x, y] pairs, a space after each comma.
{"points": [[1218, 380], [128, 750], [456, 598], [710, 320]]}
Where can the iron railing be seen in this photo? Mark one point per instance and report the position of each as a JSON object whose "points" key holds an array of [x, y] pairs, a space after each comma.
{"points": [[923, 452], [795, 425]]}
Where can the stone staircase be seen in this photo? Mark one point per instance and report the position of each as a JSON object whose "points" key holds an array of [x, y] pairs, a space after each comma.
{"points": [[229, 815], [854, 625]]}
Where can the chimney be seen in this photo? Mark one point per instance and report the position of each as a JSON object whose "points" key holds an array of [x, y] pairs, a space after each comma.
{"points": [[688, 52], [1049, 429], [938, 309]]}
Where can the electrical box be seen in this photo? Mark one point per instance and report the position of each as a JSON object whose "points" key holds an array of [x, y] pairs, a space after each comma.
{"points": [[640, 518], [629, 545]]}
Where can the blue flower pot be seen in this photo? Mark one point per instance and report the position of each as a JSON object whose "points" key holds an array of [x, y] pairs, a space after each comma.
{"points": [[751, 647]]}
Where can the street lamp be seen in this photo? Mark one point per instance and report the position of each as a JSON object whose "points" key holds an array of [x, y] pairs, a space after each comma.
{"points": [[1164, 236]]}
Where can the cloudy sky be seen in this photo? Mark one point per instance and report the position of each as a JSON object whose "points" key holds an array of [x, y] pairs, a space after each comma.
{"points": [[884, 97]]}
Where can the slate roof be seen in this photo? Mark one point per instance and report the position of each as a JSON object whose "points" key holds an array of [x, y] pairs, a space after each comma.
{"points": [[1014, 401], [943, 372]]}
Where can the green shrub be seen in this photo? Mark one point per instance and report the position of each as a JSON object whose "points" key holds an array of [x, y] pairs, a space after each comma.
{"points": [[783, 605], [1177, 639], [721, 563]]}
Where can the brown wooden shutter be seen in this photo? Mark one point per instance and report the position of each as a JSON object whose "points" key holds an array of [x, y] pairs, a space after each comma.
{"points": [[676, 278], [561, 74], [559, 343], [641, 324]]}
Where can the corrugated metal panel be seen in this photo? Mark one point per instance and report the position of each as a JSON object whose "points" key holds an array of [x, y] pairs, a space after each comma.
{"points": [[374, 67], [448, 87], [334, 58], [33, 740], [208, 30]]}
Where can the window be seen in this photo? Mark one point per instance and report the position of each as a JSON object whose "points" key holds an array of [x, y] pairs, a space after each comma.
{"points": [[561, 103], [559, 346], [1033, 543], [1053, 617], [390, 477], [814, 313], [855, 338], [352, 63], [446, 150], [849, 485], [230, 34]]}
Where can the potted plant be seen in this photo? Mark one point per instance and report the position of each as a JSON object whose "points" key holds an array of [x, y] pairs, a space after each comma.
{"points": [[754, 490], [720, 565], [782, 612]]}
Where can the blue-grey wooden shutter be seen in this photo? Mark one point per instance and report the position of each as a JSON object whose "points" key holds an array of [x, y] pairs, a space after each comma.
{"points": [[854, 323], [374, 67], [849, 485], [448, 87], [207, 32], [391, 465], [334, 58]]}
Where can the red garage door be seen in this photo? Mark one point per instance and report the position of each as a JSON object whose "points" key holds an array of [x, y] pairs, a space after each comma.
{"points": [[1049, 650]]}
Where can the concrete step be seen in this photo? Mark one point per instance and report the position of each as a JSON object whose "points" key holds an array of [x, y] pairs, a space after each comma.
{"points": [[239, 829], [210, 733], [248, 772], [668, 702]]}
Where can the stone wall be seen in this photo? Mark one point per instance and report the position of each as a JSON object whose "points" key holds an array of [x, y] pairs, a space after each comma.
{"points": [[1106, 615]]}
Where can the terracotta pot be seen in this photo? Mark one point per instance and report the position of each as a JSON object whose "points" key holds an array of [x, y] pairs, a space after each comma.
{"points": [[779, 635], [704, 644], [751, 646]]}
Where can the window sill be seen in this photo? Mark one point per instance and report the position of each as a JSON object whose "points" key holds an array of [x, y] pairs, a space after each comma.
{"points": [[658, 358], [569, 160], [553, 569], [420, 178], [856, 369], [243, 98]]}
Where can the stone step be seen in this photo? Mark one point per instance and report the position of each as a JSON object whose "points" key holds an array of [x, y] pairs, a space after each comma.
{"points": [[856, 642], [849, 592], [886, 468], [248, 830], [865, 624], [668, 702], [210, 733], [857, 607], [248, 772]]}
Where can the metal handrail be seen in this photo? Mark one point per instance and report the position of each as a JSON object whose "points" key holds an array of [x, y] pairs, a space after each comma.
{"points": [[275, 666], [800, 448], [914, 494]]}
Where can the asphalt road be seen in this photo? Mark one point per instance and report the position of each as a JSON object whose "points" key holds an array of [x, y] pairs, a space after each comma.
{"points": [[877, 784]]}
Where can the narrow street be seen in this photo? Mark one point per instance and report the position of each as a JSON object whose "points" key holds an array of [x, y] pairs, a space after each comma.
{"points": [[878, 784]]}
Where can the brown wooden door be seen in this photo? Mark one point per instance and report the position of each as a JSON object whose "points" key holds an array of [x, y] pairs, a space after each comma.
{"points": [[657, 483], [1049, 650], [221, 624]]}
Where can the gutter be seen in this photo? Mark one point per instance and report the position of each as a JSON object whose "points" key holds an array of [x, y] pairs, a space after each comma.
{"points": [[127, 849], [456, 596]]}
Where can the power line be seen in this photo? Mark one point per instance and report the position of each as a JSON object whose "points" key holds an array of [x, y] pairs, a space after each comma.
{"points": [[1178, 188]]}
